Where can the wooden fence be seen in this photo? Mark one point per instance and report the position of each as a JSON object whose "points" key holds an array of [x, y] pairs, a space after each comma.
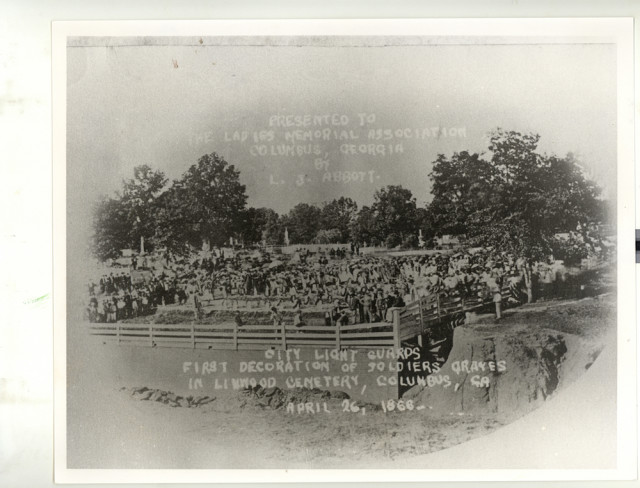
{"points": [[415, 320], [232, 336], [418, 318]]}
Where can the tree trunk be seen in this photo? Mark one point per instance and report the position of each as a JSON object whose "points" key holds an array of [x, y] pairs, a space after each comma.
{"points": [[528, 281]]}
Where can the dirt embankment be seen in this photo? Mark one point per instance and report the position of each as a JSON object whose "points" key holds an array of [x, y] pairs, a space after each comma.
{"points": [[544, 347], [506, 368], [272, 398], [513, 366]]}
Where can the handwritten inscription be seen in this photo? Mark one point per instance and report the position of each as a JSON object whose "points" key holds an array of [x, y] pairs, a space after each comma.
{"points": [[347, 370], [328, 143]]}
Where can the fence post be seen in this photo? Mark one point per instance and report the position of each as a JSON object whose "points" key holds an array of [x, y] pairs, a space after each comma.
{"points": [[438, 305], [338, 346], [151, 335], [396, 329], [235, 336], [193, 335], [284, 337], [118, 331]]}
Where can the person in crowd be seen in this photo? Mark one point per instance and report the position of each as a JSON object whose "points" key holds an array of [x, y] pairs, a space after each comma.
{"points": [[197, 306], [354, 305], [367, 306], [276, 317], [339, 313], [381, 305], [238, 320], [297, 313], [398, 301], [112, 314]]}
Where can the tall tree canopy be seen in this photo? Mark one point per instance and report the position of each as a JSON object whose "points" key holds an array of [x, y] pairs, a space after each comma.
{"points": [[111, 231], [261, 225], [460, 185], [211, 200], [139, 197], [120, 222], [394, 210], [337, 216], [516, 201], [206, 205], [173, 232], [362, 227], [302, 223]]}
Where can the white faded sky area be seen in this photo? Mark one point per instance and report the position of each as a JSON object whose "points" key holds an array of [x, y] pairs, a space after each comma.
{"points": [[168, 105]]}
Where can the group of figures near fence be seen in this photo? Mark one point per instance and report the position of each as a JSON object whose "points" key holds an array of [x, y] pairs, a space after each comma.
{"points": [[352, 289]]}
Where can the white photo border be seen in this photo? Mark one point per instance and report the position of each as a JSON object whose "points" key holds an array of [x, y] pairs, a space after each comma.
{"points": [[618, 30]]}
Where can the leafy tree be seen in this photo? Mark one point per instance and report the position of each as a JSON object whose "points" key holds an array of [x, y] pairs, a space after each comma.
{"points": [[111, 233], [518, 200], [139, 201], [571, 248], [393, 240], [425, 221], [250, 226], [302, 223], [261, 224], [337, 215], [211, 200], [460, 185], [173, 229], [394, 210], [330, 236], [362, 227], [120, 222], [410, 242], [273, 230]]}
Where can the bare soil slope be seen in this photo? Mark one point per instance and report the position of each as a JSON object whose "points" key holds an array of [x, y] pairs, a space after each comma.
{"points": [[545, 346]]}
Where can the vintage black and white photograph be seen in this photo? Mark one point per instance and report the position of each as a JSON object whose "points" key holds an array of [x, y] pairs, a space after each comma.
{"points": [[332, 251]]}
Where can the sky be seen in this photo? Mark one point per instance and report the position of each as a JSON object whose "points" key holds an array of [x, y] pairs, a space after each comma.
{"points": [[132, 102]]}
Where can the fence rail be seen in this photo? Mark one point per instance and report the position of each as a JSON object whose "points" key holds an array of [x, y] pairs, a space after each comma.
{"points": [[232, 336], [420, 316], [414, 320]]}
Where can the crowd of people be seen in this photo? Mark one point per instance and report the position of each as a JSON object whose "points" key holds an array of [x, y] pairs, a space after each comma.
{"points": [[353, 288]]}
